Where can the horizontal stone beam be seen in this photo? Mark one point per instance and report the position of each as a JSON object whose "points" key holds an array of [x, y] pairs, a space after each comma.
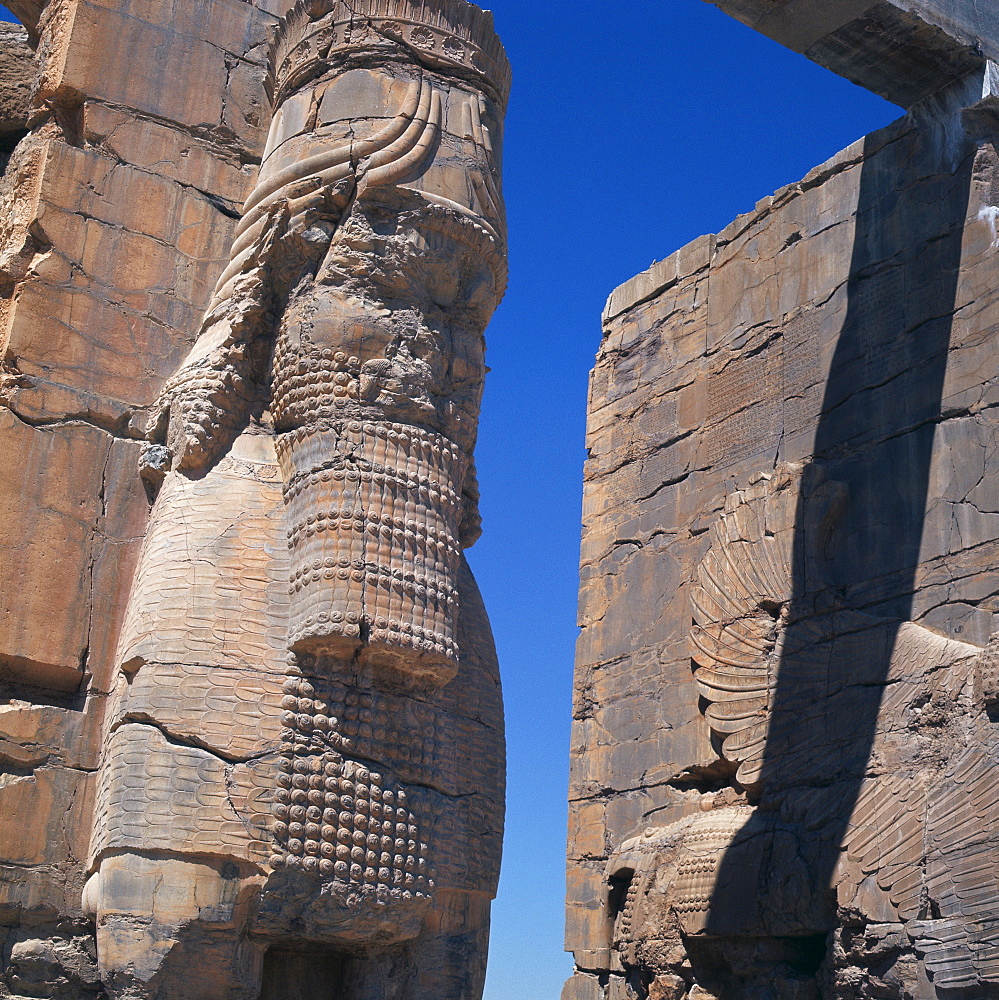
{"points": [[28, 12], [903, 50]]}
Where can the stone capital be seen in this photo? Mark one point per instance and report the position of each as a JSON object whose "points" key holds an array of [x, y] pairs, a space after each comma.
{"points": [[450, 35]]}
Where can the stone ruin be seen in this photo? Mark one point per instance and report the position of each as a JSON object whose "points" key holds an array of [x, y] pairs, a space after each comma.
{"points": [[785, 753], [251, 737], [251, 732]]}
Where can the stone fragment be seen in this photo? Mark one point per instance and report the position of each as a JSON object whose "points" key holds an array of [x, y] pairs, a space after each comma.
{"points": [[49, 539], [583, 987]]}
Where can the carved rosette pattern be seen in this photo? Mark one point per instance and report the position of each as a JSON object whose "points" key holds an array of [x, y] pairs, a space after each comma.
{"points": [[334, 815], [449, 34]]}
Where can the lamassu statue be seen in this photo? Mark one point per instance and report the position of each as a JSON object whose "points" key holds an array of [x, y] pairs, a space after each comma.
{"points": [[301, 785]]}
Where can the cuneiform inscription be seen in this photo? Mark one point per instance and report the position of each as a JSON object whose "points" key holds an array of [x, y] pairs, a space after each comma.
{"points": [[744, 406], [802, 397]]}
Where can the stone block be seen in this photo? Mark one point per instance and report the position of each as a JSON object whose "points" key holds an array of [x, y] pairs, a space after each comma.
{"points": [[663, 275], [619, 989], [89, 48], [583, 987], [587, 927], [587, 830], [60, 801], [903, 50], [51, 485], [35, 735], [164, 151], [116, 292]]}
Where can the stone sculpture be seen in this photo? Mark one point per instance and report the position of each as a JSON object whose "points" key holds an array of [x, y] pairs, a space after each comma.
{"points": [[923, 819], [368, 261], [785, 764], [300, 790]]}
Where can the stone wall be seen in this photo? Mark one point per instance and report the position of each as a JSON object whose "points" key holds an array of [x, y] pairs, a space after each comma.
{"points": [[128, 170], [791, 534], [146, 123]]}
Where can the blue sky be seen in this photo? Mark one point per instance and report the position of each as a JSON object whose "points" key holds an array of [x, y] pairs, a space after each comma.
{"points": [[633, 128]]}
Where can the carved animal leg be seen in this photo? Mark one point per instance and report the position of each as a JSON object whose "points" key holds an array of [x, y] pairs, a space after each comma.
{"points": [[171, 929], [449, 957]]}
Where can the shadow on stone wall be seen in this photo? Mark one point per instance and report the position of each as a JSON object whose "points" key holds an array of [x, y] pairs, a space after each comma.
{"points": [[853, 589]]}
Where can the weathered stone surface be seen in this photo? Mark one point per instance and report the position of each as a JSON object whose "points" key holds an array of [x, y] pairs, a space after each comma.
{"points": [[114, 227], [48, 539], [86, 530], [582, 987], [903, 50], [17, 75], [784, 764], [28, 12], [272, 234]]}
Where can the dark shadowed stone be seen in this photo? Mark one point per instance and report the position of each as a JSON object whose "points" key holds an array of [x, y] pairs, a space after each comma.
{"points": [[903, 50]]}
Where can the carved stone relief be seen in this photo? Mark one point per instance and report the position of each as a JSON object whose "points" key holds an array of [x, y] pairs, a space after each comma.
{"points": [[303, 761], [785, 759], [747, 869]]}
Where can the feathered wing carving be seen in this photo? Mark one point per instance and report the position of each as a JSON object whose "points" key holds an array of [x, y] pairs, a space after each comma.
{"points": [[932, 843], [928, 829], [744, 577], [926, 823], [961, 870]]}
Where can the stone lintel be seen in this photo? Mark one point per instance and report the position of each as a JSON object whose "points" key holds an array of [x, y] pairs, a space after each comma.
{"points": [[903, 50], [28, 12]]}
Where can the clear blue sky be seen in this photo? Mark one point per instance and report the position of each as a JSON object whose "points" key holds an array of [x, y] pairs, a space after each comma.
{"points": [[633, 128]]}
